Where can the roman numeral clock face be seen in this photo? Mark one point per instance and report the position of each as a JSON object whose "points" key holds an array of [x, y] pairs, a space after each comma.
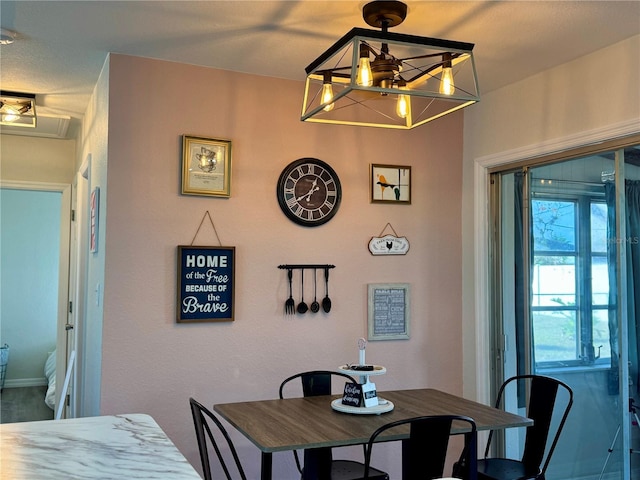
{"points": [[309, 192]]}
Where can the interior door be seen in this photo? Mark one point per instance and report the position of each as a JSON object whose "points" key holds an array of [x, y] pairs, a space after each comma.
{"points": [[62, 358], [77, 288]]}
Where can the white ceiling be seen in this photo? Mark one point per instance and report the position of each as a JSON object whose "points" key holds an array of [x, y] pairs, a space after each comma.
{"points": [[61, 46]]}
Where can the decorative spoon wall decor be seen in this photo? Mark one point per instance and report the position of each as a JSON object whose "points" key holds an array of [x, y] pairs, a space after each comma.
{"points": [[302, 307], [326, 301], [315, 306]]}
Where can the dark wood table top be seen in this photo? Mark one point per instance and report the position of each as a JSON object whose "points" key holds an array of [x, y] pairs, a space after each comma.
{"points": [[310, 422]]}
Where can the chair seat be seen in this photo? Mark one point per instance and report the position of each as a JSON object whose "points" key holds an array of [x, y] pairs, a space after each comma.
{"points": [[505, 469], [352, 470]]}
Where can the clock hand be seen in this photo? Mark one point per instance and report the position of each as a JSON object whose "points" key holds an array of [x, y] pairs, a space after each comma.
{"points": [[307, 195], [314, 187], [311, 193]]}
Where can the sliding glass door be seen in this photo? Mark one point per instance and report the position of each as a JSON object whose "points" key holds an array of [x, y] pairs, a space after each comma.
{"points": [[567, 274]]}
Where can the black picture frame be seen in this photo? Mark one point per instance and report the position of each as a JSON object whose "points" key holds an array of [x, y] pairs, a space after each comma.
{"points": [[205, 285]]}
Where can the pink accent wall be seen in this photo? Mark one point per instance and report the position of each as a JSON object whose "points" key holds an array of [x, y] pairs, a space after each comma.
{"points": [[151, 364]]}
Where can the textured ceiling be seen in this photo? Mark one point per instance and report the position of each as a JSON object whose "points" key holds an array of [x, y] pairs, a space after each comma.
{"points": [[60, 47]]}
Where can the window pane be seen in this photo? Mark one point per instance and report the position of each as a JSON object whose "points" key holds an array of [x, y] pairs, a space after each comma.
{"points": [[599, 227], [599, 281], [553, 283], [601, 333], [554, 225], [554, 336]]}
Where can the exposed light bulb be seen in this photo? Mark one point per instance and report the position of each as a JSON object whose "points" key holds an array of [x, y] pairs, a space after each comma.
{"points": [[364, 77], [403, 104], [7, 37], [447, 87], [12, 113], [327, 96]]}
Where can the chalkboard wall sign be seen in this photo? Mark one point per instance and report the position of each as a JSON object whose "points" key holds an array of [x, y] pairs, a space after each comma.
{"points": [[205, 284], [389, 308]]}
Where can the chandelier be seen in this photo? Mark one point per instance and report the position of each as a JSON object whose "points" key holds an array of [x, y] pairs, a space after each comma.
{"points": [[391, 80]]}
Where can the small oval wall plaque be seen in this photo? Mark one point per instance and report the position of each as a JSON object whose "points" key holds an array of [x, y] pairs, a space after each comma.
{"points": [[389, 245]]}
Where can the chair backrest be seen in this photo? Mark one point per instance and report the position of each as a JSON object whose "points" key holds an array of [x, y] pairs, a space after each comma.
{"points": [[425, 452], [541, 405], [202, 419], [315, 382]]}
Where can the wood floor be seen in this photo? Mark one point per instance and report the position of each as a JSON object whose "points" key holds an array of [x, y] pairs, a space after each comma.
{"points": [[24, 404]]}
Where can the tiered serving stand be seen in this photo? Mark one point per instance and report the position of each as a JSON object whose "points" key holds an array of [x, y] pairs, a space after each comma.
{"points": [[383, 406]]}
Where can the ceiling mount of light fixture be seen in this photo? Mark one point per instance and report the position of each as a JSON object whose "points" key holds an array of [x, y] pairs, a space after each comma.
{"points": [[17, 109], [384, 14], [392, 80]]}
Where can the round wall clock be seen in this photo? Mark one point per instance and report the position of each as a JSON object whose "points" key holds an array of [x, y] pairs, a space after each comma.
{"points": [[309, 192]]}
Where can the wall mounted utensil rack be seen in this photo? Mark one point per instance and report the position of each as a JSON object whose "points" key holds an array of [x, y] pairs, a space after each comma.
{"points": [[290, 307]]}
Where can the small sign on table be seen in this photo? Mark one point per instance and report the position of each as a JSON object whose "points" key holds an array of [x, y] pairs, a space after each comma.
{"points": [[370, 396], [356, 395], [352, 394]]}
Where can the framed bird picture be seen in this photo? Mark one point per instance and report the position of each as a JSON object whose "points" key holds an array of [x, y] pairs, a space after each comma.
{"points": [[390, 184]]}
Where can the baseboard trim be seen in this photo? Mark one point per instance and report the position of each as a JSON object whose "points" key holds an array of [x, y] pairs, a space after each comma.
{"points": [[25, 382]]}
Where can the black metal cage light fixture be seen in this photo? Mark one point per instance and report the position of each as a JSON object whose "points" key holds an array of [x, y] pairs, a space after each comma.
{"points": [[391, 80], [17, 109]]}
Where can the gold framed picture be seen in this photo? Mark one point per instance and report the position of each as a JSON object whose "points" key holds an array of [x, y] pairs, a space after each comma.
{"points": [[206, 166], [390, 184]]}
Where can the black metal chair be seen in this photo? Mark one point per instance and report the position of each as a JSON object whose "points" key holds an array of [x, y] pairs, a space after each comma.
{"points": [[319, 462], [202, 417], [543, 393], [424, 453]]}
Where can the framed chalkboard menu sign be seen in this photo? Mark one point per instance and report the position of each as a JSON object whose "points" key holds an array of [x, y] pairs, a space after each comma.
{"points": [[389, 307], [205, 284]]}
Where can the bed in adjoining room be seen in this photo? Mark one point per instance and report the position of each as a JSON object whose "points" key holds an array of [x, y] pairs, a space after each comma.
{"points": [[25, 403], [50, 374]]}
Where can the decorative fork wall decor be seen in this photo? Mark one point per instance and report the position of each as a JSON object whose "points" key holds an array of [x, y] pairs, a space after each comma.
{"points": [[290, 304]]}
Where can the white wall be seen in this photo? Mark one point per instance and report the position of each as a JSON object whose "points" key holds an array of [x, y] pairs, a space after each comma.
{"points": [[94, 151], [34, 159], [595, 91]]}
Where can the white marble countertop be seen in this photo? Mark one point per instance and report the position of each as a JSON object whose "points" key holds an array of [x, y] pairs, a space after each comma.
{"points": [[131, 446]]}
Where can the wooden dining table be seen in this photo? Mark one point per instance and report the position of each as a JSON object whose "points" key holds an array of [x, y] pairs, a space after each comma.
{"points": [[311, 422]]}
